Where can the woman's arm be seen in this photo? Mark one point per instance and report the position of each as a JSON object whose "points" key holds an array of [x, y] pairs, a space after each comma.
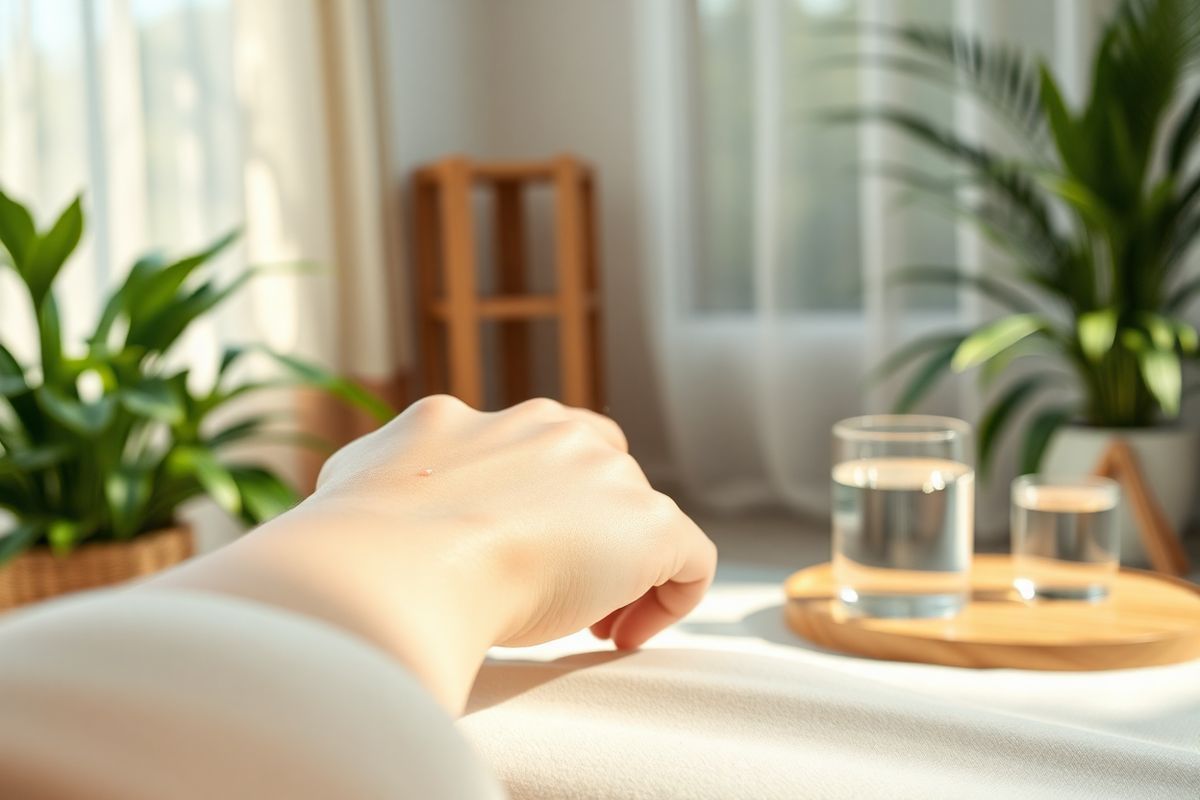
{"points": [[450, 530], [268, 668]]}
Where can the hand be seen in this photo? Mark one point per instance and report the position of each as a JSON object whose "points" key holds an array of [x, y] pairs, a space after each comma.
{"points": [[450, 530], [549, 497]]}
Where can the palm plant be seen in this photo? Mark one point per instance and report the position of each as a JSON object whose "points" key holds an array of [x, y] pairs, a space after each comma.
{"points": [[1094, 209], [118, 460]]}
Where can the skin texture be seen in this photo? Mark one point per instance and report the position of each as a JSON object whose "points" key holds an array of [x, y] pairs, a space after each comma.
{"points": [[450, 530]]}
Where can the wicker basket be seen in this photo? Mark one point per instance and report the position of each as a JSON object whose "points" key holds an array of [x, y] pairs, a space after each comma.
{"points": [[38, 575]]}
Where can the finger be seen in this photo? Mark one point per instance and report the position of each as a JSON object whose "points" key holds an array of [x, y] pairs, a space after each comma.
{"points": [[666, 604], [655, 611], [603, 628]]}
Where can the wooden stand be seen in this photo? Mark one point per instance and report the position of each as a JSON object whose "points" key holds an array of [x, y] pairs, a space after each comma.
{"points": [[1148, 619], [451, 310], [1162, 546]]}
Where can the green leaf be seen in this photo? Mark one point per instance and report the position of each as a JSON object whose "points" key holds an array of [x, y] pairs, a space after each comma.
{"points": [[1079, 196], [995, 338], [86, 419], [18, 540], [993, 422], [64, 535], [926, 378], [998, 365], [1038, 435], [34, 459], [50, 338], [1189, 339], [127, 490], [1070, 146], [158, 289], [124, 299], [48, 253], [1134, 340], [1161, 330], [911, 351], [229, 357], [1011, 189], [1181, 296], [244, 429], [264, 494], [12, 375], [996, 290], [17, 231], [155, 399], [1003, 77], [1184, 136], [159, 331], [217, 481], [1097, 331], [1125, 161], [315, 375], [1163, 376]]}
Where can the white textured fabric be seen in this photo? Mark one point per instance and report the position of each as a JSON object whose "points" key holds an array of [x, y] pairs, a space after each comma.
{"points": [[165, 695], [708, 724], [730, 704]]}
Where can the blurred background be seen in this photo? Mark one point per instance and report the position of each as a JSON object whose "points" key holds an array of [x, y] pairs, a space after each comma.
{"points": [[744, 244]]}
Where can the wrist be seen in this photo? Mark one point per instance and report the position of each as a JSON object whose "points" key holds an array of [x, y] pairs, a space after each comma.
{"points": [[426, 593]]}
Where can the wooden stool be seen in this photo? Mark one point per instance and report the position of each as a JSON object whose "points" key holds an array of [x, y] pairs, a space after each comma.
{"points": [[450, 308]]}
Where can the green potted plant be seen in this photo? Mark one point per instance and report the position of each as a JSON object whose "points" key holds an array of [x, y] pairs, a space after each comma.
{"points": [[102, 441], [1095, 209]]}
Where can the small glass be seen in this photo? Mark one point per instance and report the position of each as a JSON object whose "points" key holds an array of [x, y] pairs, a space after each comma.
{"points": [[1065, 538], [903, 515]]}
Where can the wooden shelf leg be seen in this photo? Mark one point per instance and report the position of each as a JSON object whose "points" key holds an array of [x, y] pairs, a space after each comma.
{"points": [[516, 382], [426, 199], [570, 265], [591, 217], [462, 301]]}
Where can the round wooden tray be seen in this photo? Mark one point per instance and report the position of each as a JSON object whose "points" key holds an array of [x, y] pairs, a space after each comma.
{"points": [[1148, 619]]}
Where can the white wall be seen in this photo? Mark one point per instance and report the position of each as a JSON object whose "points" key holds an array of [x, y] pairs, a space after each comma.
{"points": [[434, 60], [530, 78]]}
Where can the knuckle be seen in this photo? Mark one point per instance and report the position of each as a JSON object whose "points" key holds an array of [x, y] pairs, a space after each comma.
{"points": [[435, 405], [617, 433], [569, 439], [540, 407], [327, 471], [661, 507], [572, 431], [622, 465]]}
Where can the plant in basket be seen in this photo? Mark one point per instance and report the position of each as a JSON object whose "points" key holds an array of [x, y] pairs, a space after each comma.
{"points": [[102, 441]]}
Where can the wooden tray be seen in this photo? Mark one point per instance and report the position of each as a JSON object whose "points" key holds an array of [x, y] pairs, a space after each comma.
{"points": [[1148, 619]]}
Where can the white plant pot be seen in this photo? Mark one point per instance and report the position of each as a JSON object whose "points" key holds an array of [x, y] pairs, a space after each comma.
{"points": [[1169, 462]]}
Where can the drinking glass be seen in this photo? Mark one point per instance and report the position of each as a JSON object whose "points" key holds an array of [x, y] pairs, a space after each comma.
{"points": [[903, 515], [1065, 537]]}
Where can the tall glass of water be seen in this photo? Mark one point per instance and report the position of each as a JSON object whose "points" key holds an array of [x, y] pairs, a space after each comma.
{"points": [[1066, 541], [903, 515]]}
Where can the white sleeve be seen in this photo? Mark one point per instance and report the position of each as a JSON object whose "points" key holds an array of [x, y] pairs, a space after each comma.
{"points": [[174, 695]]}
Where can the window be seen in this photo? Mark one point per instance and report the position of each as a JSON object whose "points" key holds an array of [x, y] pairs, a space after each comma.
{"points": [[779, 206]]}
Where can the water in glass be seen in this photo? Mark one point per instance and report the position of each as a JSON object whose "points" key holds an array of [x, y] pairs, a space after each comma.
{"points": [[1066, 538], [903, 535]]}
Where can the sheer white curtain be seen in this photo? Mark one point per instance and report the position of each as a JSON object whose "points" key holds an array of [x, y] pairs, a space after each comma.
{"points": [[179, 120], [770, 236]]}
